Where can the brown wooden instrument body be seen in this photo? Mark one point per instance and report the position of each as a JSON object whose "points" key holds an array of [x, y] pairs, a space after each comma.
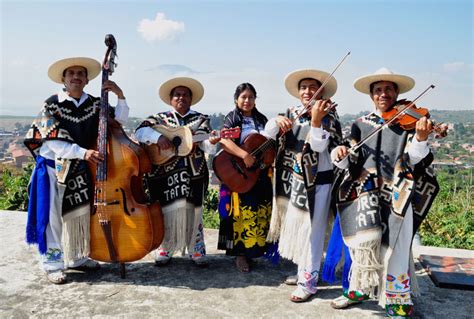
{"points": [[411, 116], [231, 169], [136, 229]]}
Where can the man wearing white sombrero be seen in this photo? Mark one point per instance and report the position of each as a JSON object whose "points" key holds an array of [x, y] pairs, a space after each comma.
{"points": [[303, 176], [387, 190], [61, 140], [181, 183]]}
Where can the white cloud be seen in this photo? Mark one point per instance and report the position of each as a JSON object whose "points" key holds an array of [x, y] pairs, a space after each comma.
{"points": [[454, 66], [160, 28]]}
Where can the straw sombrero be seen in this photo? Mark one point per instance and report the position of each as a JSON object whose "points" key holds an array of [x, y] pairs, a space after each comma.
{"points": [[195, 86], [405, 83], [55, 70], [292, 80]]}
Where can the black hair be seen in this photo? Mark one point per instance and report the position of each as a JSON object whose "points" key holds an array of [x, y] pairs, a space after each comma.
{"points": [[373, 84], [299, 82], [242, 87], [180, 86]]}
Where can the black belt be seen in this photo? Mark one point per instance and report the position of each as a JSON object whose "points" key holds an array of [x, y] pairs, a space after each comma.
{"points": [[324, 177]]}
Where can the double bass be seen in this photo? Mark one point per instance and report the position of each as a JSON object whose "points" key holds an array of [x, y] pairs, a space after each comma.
{"points": [[124, 227]]}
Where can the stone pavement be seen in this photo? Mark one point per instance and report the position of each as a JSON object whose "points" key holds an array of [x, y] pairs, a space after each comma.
{"points": [[182, 289]]}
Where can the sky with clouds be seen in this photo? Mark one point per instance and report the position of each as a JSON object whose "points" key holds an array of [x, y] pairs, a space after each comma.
{"points": [[228, 42]]}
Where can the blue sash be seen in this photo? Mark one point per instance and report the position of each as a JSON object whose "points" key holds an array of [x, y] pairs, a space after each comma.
{"points": [[333, 254], [38, 205]]}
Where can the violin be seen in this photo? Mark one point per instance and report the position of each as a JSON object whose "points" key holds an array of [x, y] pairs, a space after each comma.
{"points": [[408, 117], [406, 114]]}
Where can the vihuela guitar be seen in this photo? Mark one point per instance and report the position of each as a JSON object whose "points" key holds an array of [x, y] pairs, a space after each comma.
{"points": [[182, 139]]}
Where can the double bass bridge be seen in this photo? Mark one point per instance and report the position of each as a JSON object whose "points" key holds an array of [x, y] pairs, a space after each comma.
{"points": [[114, 202]]}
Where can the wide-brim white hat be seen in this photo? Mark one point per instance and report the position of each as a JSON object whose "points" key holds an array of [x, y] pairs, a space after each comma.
{"points": [[293, 78], [194, 85], [404, 83], [56, 70]]}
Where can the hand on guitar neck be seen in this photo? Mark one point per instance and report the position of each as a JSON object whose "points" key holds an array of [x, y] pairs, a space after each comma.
{"points": [[214, 137], [179, 141]]}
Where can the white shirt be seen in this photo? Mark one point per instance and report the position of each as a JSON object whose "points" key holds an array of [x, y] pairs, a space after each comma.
{"points": [[249, 127], [319, 141], [148, 136], [63, 149]]}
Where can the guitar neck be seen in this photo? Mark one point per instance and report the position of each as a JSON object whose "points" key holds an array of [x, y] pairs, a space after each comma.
{"points": [[224, 133], [263, 148], [202, 137]]}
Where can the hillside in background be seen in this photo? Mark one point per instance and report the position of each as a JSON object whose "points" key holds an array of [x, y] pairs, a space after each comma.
{"points": [[464, 116], [9, 123]]}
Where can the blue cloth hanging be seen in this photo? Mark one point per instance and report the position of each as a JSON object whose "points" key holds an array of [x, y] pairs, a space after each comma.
{"points": [[38, 204], [333, 253], [271, 253]]}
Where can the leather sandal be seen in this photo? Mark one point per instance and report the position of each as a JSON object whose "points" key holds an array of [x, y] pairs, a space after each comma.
{"points": [[57, 277], [300, 295], [342, 302]]}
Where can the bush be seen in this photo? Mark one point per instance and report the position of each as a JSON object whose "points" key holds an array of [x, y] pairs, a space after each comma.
{"points": [[450, 222], [14, 195], [210, 213]]}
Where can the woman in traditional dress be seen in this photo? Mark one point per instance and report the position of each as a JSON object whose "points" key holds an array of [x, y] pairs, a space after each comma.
{"points": [[246, 218]]}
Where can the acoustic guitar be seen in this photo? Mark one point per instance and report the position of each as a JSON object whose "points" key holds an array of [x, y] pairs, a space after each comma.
{"points": [[182, 139], [231, 170]]}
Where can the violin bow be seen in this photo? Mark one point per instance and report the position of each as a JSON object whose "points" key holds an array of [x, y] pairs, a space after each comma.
{"points": [[312, 101], [355, 147]]}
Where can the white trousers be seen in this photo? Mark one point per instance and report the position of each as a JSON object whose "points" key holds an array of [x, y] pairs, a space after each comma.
{"points": [[398, 281], [54, 257], [308, 272]]}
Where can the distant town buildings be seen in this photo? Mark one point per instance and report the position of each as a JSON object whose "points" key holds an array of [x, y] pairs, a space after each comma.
{"points": [[449, 153]]}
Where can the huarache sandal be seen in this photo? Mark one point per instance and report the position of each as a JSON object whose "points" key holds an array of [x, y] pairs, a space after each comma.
{"points": [[57, 277], [342, 302], [300, 295]]}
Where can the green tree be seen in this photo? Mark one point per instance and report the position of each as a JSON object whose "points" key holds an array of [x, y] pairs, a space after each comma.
{"points": [[210, 213], [14, 194], [450, 222]]}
